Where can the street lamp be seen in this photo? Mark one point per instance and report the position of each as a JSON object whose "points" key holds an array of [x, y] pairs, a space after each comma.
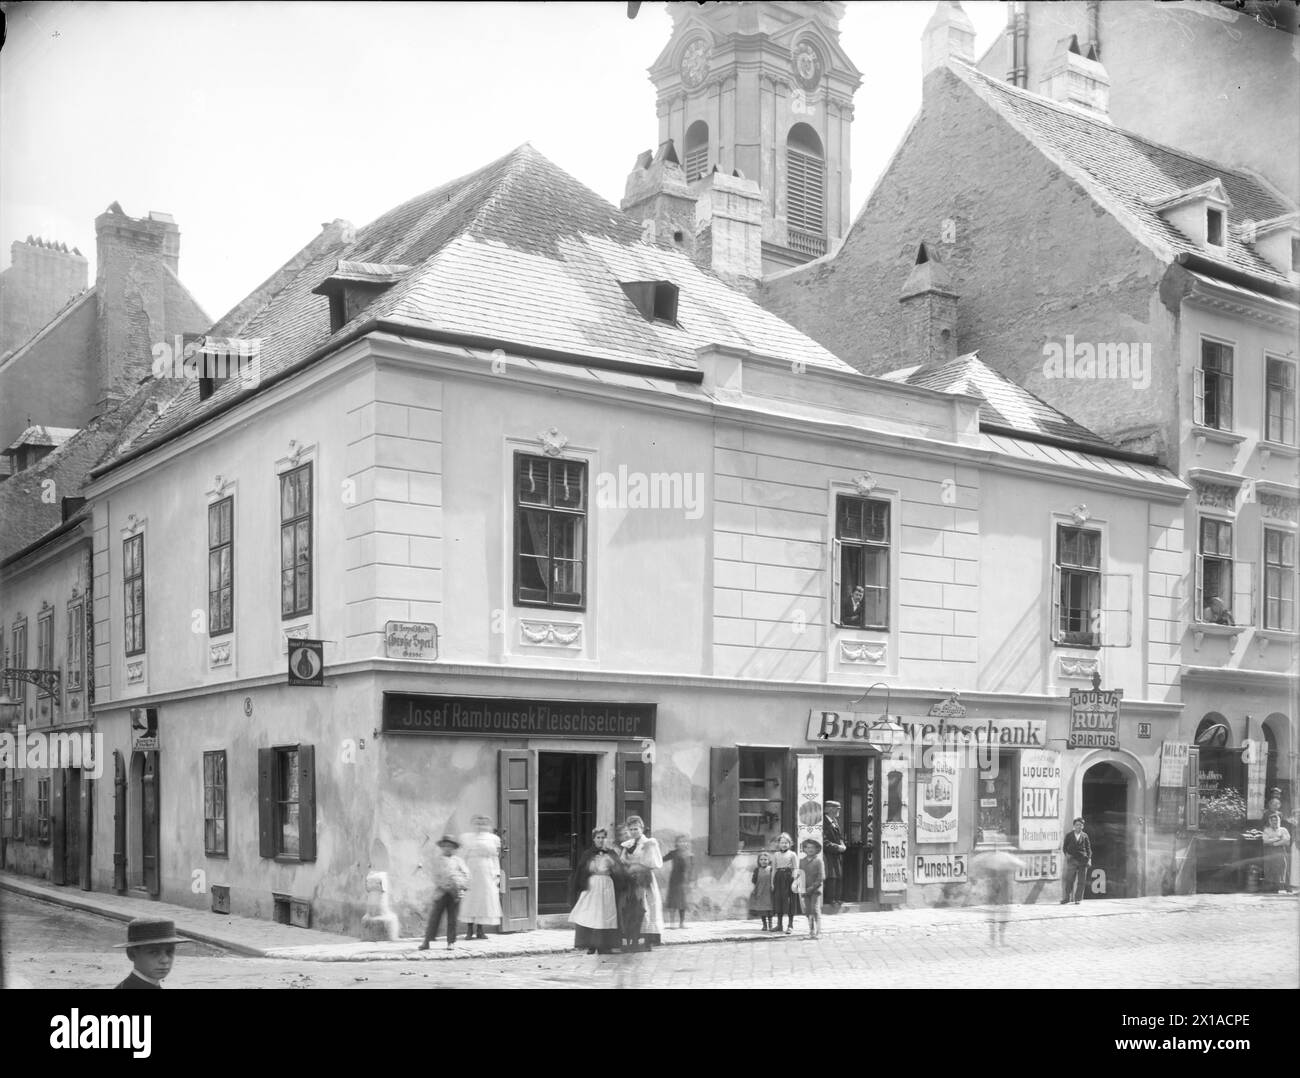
{"points": [[885, 731]]}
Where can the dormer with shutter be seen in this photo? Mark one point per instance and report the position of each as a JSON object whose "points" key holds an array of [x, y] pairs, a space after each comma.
{"points": [[353, 286], [1277, 241], [1200, 213]]}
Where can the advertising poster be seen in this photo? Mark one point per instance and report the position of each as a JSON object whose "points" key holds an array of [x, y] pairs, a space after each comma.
{"points": [[1040, 800], [939, 868], [808, 792], [936, 815], [1094, 718], [893, 826], [1171, 795]]}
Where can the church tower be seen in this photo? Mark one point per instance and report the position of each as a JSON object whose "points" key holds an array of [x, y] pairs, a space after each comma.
{"points": [[764, 89]]}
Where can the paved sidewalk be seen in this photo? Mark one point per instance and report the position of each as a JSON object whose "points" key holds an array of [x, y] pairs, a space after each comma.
{"points": [[258, 938]]}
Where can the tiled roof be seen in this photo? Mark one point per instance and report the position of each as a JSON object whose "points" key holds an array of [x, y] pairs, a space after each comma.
{"points": [[1005, 403], [1131, 172], [518, 252], [39, 435]]}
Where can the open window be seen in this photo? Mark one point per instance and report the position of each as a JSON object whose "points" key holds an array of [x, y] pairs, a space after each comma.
{"points": [[861, 562]]}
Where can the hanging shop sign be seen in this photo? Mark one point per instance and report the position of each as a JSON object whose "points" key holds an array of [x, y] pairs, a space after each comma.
{"points": [[939, 868], [1040, 800], [808, 786], [893, 828], [144, 729], [410, 640], [1171, 794], [307, 662], [936, 815], [1094, 718], [1039, 866], [468, 716]]}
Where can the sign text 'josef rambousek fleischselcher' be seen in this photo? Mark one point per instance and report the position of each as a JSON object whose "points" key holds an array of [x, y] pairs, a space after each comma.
{"points": [[468, 716]]}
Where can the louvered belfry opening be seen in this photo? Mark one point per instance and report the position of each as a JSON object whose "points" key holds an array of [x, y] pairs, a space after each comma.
{"points": [[805, 191], [697, 151]]}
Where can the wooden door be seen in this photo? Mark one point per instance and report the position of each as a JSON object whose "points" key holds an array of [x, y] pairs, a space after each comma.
{"points": [[517, 786], [149, 834], [632, 787], [58, 847], [86, 821], [119, 823], [72, 826]]}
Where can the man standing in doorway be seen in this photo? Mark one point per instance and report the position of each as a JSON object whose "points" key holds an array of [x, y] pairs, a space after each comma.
{"points": [[1078, 854], [832, 854]]}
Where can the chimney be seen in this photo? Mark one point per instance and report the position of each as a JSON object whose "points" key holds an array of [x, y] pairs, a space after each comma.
{"points": [[136, 263], [729, 216], [657, 195], [949, 35], [43, 276], [929, 311], [1077, 78]]}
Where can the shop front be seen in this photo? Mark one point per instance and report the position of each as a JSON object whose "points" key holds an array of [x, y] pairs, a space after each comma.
{"points": [[553, 762]]}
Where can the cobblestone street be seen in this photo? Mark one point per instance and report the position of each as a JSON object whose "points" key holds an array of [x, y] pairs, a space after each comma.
{"points": [[1251, 942]]}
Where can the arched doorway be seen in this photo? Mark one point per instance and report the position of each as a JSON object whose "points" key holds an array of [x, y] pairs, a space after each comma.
{"points": [[1277, 771], [1104, 806]]}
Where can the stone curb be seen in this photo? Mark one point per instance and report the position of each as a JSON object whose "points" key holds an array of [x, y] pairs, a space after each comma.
{"points": [[560, 941]]}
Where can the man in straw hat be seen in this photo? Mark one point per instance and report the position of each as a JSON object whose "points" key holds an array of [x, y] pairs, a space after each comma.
{"points": [[151, 947], [450, 879]]}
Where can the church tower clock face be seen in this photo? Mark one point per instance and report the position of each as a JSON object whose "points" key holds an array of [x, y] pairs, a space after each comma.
{"points": [[695, 63], [807, 66]]}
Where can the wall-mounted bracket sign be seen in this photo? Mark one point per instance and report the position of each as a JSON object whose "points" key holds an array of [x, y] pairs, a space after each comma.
{"points": [[478, 716], [307, 662], [1094, 718]]}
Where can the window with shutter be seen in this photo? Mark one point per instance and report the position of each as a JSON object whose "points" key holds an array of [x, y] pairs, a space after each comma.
{"points": [[696, 163], [805, 191]]}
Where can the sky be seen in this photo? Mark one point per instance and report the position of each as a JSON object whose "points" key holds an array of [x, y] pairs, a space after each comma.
{"points": [[254, 123]]}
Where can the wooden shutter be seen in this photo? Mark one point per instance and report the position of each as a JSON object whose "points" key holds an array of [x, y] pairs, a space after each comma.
{"points": [[1243, 593], [1198, 396], [632, 788], [1056, 604], [724, 800], [1116, 610], [266, 802], [516, 785], [306, 803], [837, 600], [1193, 789], [86, 821], [58, 873]]}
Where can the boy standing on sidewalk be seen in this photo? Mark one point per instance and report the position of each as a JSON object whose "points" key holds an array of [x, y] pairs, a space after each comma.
{"points": [[450, 879], [814, 875]]}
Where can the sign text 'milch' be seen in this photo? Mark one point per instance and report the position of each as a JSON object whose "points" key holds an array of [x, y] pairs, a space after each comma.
{"points": [[469, 716]]}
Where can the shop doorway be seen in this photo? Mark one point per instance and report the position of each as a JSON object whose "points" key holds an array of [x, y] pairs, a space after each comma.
{"points": [[143, 840], [854, 781], [566, 814], [66, 844], [1105, 812]]}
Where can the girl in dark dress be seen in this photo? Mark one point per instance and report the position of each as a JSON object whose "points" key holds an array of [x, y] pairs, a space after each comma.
{"points": [[679, 861]]}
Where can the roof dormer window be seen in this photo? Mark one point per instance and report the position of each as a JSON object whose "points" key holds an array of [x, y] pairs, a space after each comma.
{"points": [[353, 286], [1277, 242], [1200, 213], [219, 359], [1214, 227], [655, 300]]}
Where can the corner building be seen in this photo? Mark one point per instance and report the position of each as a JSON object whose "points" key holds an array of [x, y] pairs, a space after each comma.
{"points": [[579, 528]]}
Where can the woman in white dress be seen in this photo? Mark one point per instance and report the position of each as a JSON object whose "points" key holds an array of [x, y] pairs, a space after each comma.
{"points": [[481, 850], [594, 889], [641, 856]]}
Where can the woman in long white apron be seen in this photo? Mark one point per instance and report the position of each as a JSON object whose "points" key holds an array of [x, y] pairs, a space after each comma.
{"points": [[594, 889], [481, 850]]}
